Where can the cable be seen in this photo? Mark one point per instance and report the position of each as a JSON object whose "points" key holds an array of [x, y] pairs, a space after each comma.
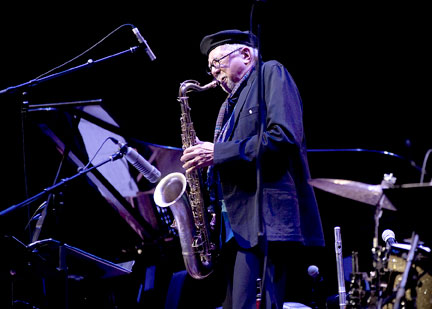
{"points": [[96, 153], [45, 203], [84, 52]]}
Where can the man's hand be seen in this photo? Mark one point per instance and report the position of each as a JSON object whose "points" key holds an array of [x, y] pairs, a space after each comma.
{"points": [[198, 156]]}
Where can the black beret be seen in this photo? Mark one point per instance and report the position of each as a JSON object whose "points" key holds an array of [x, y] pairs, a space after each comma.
{"points": [[234, 36]]}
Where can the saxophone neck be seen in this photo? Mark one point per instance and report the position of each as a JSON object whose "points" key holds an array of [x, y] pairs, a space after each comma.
{"points": [[193, 85]]}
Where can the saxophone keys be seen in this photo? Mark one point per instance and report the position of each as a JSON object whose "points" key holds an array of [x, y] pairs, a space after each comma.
{"points": [[197, 242], [213, 221], [174, 224]]}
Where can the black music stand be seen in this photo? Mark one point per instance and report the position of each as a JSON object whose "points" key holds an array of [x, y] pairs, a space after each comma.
{"points": [[54, 275], [59, 263], [78, 264], [413, 203]]}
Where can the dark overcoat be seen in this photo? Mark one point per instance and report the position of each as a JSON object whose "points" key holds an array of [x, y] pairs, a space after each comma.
{"points": [[289, 211]]}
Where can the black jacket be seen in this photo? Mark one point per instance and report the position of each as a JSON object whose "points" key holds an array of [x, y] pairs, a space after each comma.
{"points": [[289, 211]]}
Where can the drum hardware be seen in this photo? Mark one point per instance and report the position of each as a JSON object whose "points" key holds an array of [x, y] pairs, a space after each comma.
{"points": [[358, 285], [402, 273], [379, 289], [377, 277], [372, 195], [409, 276], [411, 201]]}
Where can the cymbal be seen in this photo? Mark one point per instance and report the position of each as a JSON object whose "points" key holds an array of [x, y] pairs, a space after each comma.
{"points": [[358, 191]]}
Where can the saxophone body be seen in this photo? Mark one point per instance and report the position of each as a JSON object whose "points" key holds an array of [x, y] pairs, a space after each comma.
{"points": [[185, 195]]}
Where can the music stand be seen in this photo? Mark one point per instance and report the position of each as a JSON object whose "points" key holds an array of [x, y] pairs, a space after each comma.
{"points": [[50, 274], [75, 262], [413, 202], [60, 264]]}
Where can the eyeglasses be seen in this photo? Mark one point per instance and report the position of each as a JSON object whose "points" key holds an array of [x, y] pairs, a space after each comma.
{"points": [[216, 62]]}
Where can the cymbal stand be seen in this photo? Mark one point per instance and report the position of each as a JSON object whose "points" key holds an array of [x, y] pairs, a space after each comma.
{"points": [[378, 252], [376, 274]]}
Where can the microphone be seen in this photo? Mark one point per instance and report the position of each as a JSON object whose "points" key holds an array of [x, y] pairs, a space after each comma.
{"points": [[150, 172], [141, 40], [317, 299], [313, 271], [389, 237]]}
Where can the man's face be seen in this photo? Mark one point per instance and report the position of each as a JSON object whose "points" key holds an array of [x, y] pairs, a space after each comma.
{"points": [[228, 65]]}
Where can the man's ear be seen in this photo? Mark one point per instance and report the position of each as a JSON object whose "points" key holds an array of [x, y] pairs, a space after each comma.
{"points": [[246, 54]]}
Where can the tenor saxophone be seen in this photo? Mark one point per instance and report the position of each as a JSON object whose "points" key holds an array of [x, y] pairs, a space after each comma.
{"points": [[185, 195]]}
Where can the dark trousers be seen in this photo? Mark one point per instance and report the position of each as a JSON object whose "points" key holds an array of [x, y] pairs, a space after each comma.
{"points": [[283, 265]]}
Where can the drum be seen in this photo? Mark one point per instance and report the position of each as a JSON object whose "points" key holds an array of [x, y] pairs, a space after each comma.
{"points": [[418, 289]]}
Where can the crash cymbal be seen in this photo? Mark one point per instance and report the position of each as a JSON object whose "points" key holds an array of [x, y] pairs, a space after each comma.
{"points": [[358, 191]]}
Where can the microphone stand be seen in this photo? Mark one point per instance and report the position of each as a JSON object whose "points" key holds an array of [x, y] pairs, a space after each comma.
{"points": [[89, 63], [40, 221], [119, 154], [25, 102], [262, 237], [400, 293]]}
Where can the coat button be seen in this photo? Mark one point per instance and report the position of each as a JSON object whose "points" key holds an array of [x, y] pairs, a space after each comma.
{"points": [[250, 111]]}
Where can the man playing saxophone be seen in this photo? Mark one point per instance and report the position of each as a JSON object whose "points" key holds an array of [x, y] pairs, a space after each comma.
{"points": [[269, 218]]}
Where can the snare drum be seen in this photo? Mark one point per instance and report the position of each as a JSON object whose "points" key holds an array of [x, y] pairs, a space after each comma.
{"points": [[418, 289]]}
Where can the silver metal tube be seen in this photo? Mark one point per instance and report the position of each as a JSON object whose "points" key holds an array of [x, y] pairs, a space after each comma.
{"points": [[340, 270]]}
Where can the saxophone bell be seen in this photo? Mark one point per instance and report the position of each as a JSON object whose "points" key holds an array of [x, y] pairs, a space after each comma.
{"points": [[171, 192], [170, 189]]}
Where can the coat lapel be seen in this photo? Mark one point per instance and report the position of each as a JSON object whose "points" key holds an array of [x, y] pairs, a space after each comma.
{"points": [[242, 101]]}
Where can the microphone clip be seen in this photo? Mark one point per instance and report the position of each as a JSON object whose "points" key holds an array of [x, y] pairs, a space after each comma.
{"points": [[118, 155], [123, 148]]}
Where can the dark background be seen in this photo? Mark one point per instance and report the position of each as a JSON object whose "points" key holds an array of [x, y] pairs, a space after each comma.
{"points": [[362, 71]]}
